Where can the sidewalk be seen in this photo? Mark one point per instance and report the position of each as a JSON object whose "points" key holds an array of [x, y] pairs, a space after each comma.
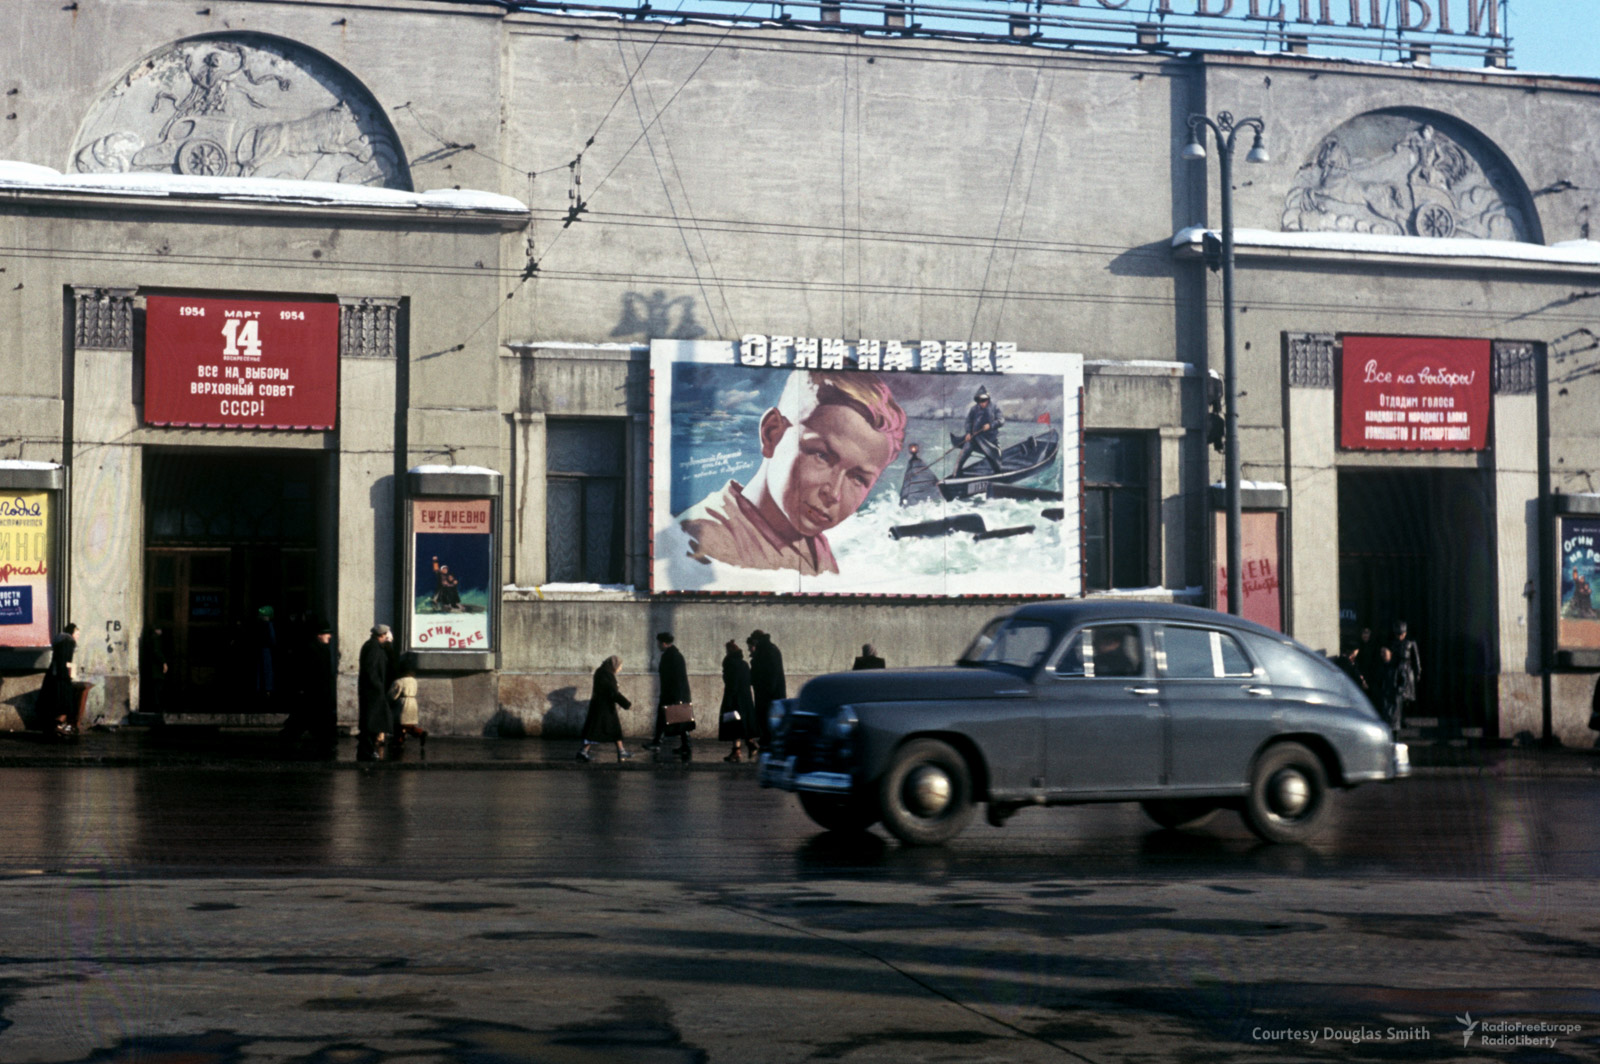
{"points": [[132, 746]]}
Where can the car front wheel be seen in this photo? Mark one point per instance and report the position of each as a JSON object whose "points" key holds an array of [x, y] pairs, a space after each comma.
{"points": [[838, 812], [1288, 794], [1178, 813], [926, 796]]}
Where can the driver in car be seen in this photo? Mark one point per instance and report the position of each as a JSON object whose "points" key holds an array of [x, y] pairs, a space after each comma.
{"points": [[1116, 652]]}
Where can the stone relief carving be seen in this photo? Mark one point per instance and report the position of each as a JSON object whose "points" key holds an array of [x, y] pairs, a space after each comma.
{"points": [[1407, 174], [241, 106]]}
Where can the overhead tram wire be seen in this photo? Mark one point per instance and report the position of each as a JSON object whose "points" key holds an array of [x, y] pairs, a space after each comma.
{"points": [[673, 207], [1027, 200], [1005, 201]]}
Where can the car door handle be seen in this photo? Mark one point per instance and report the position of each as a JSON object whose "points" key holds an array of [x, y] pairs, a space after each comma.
{"points": [[1259, 692], [1144, 690]]}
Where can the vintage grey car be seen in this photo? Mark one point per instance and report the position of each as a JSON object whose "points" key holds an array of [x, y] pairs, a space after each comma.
{"points": [[1181, 709]]}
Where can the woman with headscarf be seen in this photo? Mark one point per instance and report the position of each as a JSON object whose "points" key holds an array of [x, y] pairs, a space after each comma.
{"points": [[738, 704], [602, 725]]}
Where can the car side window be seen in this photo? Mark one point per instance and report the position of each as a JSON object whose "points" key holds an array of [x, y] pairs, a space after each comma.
{"points": [[1189, 653], [1202, 653], [1111, 650]]}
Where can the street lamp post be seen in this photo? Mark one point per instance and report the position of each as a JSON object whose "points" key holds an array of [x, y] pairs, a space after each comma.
{"points": [[1226, 130]]}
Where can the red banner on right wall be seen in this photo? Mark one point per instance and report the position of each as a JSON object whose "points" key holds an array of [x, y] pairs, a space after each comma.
{"points": [[1414, 393]]}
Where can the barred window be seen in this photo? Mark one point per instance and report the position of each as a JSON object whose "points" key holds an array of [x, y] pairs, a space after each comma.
{"points": [[585, 470]]}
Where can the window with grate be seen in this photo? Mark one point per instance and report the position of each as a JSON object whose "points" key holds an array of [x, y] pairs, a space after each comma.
{"points": [[585, 470], [1116, 491]]}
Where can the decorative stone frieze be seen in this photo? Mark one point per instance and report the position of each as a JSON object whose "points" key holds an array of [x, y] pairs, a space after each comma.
{"points": [[367, 327], [103, 318], [1311, 357], [1516, 370]]}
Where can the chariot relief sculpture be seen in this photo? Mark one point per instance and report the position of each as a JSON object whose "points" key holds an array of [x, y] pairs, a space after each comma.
{"points": [[241, 106], [1408, 174]]}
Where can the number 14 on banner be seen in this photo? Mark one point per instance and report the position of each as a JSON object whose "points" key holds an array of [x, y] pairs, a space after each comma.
{"points": [[242, 335]]}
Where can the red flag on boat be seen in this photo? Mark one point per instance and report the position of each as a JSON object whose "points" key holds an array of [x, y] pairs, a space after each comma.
{"points": [[1042, 419]]}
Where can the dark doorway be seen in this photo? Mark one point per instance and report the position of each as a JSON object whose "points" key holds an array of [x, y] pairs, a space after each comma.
{"points": [[1419, 546], [226, 535]]}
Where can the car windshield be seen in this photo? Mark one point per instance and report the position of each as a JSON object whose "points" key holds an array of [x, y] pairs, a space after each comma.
{"points": [[1005, 641]]}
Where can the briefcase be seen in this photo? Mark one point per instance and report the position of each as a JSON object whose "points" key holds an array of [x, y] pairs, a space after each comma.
{"points": [[679, 717]]}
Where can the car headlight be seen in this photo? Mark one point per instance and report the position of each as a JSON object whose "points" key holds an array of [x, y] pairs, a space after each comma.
{"points": [[777, 714], [844, 723]]}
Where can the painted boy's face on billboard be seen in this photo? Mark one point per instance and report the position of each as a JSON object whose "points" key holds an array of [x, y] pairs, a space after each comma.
{"points": [[820, 471]]}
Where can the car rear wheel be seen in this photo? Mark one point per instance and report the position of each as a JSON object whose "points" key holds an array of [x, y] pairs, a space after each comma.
{"points": [[1179, 813], [839, 812], [1288, 794], [926, 795]]}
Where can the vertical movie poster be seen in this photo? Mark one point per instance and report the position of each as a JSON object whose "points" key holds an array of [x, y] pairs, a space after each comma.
{"points": [[452, 561], [1577, 620], [25, 619], [859, 478]]}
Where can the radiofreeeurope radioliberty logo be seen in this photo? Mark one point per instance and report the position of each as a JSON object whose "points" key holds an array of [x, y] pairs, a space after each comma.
{"points": [[1514, 1034]]}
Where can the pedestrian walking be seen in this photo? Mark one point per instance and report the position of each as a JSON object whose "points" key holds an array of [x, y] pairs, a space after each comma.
{"points": [[1369, 659], [868, 659], [738, 704], [766, 679], [56, 711], [672, 689], [602, 725], [372, 689], [153, 670], [403, 696], [1406, 661], [1348, 662], [316, 711], [263, 649]]}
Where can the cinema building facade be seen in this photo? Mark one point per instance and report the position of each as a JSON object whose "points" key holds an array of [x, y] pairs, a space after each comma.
{"points": [[296, 313]]}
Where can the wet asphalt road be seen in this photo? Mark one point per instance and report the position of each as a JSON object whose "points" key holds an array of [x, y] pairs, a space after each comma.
{"points": [[227, 915], [638, 823]]}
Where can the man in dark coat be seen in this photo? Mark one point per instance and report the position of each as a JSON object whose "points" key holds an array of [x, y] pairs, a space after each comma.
{"points": [[56, 710], [766, 678], [372, 691], [673, 674], [316, 710], [868, 659], [1406, 666], [153, 670], [602, 724]]}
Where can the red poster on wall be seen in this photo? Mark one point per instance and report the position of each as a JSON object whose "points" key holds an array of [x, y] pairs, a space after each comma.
{"points": [[1262, 555], [241, 363], [1414, 393]]}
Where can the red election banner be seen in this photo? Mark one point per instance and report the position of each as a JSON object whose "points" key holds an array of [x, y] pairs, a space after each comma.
{"points": [[240, 363], [1414, 393]]}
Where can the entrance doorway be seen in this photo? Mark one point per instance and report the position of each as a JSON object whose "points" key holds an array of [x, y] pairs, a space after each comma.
{"points": [[226, 535], [1419, 546]]}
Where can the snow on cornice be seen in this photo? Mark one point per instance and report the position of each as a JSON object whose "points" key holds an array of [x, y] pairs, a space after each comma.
{"points": [[1566, 253], [27, 177]]}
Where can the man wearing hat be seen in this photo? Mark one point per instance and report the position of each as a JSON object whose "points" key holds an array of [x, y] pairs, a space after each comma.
{"points": [[983, 431], [372, 690], [317, 714]]}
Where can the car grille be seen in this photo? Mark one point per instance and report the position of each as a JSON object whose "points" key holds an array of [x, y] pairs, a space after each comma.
{"points": [[803, 740]]}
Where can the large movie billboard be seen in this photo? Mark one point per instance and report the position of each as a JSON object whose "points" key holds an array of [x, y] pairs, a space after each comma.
{"points": [[797, 466], [452, 573]]}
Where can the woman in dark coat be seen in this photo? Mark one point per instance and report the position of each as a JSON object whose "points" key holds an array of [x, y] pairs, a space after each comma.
{"points": [[372, 691], [738, 704], [602, 725], [766, 679]]}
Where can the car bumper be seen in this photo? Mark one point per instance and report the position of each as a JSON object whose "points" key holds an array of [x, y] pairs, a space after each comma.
{"points": [[780, 773], [1400, 761]]}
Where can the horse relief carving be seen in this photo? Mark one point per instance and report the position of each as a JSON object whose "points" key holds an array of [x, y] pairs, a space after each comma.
{"points": [[1403, 175], [241, 106]]}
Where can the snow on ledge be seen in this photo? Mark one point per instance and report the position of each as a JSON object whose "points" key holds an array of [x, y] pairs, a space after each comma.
{"points": [[572, 592], [27, 177], [1565, 253], [1254, 485], [23, 463], [467, 469]]}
